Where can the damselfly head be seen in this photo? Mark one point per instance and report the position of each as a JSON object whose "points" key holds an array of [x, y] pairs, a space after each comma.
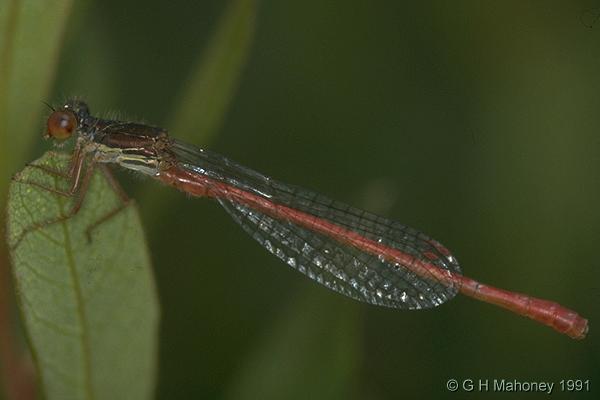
{"points": [[61, 125]]}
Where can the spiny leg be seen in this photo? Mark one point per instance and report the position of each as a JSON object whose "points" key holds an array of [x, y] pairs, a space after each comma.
{"points": [[78, 190], [74, 169], [73, 174]]}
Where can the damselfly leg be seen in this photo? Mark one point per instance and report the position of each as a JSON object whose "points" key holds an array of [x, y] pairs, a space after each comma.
{"points": [[78, 175]]}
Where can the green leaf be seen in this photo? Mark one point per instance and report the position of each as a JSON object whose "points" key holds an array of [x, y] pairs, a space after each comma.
{"points": [[214, 79], [89, 307]]}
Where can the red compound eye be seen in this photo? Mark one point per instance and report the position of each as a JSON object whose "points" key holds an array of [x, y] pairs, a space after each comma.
{"points": [[61, 125]]}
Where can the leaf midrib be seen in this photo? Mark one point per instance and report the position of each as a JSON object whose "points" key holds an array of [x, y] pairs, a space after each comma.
{"points": [[84, 336]]}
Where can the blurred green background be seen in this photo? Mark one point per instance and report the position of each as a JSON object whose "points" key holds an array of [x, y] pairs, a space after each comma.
{"points": [[475, 122]]}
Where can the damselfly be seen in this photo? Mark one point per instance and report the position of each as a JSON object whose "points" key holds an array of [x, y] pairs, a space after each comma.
{"points": [[358, 254]]}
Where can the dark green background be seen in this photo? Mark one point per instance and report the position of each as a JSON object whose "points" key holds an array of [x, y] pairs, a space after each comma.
{"points": [[476, 122]]}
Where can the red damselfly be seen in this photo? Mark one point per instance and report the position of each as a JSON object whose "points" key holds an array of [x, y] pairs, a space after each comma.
{"points": [[358, 254]]}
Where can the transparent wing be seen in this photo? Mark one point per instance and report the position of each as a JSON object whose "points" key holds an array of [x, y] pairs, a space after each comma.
{"points": [[339, 266]]}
